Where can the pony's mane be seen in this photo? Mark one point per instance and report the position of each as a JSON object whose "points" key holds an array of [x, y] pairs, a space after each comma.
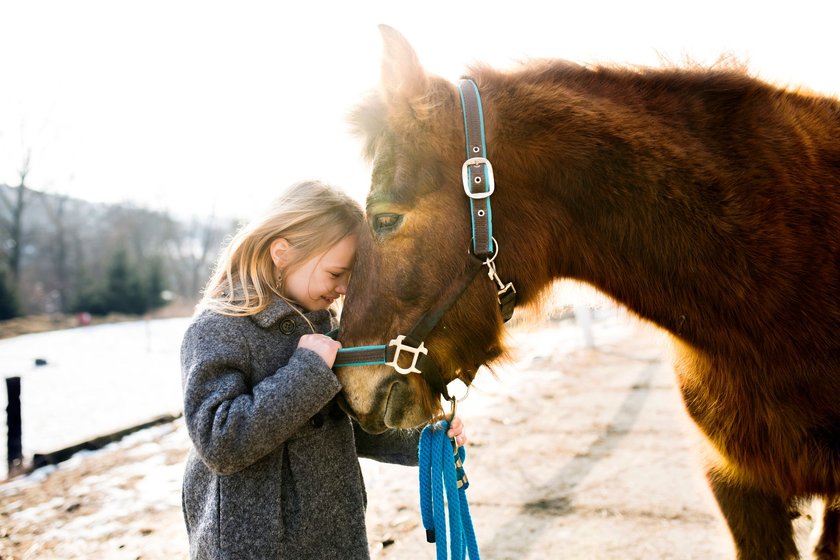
{"points": [[369, 119], [726, 72], [727, 75]]}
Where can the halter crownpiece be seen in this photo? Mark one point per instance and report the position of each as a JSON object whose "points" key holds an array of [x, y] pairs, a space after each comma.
{"points": [[479, 184]]}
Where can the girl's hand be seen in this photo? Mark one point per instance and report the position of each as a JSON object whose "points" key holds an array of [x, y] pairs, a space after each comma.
{"points": [[322, 345], [456, 430]]}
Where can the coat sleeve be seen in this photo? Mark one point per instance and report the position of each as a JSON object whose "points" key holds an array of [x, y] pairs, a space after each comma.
{"points": [[231, 424], [392, 446]]}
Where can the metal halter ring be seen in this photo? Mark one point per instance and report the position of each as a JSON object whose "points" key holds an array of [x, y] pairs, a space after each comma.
{"points": [[454, 400], [453, 408], [490, 260]]}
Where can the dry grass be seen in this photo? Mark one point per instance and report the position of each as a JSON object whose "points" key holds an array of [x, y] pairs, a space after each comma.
{"points": [[57, 321]]}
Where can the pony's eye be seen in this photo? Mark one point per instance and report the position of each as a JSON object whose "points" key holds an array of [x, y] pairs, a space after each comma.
{"points": [[384, 223]]}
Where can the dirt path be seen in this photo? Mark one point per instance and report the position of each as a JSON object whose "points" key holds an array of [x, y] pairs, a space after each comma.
{"points": [[574, 453]]}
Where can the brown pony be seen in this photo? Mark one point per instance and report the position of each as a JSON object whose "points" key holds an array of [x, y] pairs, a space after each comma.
{"points": [[705, 201]]}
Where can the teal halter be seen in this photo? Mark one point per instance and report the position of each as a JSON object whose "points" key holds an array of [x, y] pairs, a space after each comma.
{"points": [[479, 184]]}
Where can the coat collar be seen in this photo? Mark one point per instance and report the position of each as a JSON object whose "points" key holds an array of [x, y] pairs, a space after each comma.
{"points": [[280, 308]]}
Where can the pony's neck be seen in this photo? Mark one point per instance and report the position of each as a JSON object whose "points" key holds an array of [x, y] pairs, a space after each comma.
{"points": [[649, 264], [625, 198]]}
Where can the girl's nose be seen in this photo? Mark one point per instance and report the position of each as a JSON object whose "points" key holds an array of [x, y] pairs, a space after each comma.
{"points": [[341, 289]]}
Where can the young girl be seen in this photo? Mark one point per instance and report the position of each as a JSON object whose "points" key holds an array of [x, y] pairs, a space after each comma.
{"points": [[274, 469]]}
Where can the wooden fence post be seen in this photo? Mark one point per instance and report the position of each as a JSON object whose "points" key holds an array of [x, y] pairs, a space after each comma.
{"points": [[14, 447]]}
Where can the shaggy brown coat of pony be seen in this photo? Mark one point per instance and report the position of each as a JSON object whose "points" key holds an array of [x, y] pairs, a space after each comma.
{"points": [[707, 202]]}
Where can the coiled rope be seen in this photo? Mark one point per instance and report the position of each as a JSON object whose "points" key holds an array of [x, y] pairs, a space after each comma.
{"points": [[442, 472]]}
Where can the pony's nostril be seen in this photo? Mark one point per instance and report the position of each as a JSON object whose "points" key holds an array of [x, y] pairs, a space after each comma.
{"points": [[401, 408]]}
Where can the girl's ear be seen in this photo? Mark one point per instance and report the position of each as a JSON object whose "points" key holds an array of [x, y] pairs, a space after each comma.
{"points": [[279, 249]]}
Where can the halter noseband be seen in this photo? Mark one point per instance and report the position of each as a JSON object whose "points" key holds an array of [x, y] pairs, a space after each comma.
{"points": [[479, 184]]}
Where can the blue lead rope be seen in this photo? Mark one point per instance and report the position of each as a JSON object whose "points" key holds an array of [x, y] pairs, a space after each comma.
{"points": [[442, 471]]}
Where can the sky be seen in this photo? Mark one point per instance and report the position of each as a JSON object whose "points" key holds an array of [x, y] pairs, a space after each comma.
{"points": [[202, 108]]}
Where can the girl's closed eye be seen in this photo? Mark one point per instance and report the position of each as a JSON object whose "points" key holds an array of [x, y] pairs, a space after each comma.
{"points": [[340, 274]]}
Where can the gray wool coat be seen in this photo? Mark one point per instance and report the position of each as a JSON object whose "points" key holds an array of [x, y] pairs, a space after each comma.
{"points": [[274, 470]]}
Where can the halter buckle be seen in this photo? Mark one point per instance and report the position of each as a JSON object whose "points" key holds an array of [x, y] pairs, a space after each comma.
{"points": [[394, 363], [465, 178]]}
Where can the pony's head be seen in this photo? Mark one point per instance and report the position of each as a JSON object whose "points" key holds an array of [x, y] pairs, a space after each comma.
{"points": [[417, 245]]}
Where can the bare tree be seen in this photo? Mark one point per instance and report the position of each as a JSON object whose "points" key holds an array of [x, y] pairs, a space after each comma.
{"points": [[58, 248], [56, 208], [194, 251], [14, 225]]}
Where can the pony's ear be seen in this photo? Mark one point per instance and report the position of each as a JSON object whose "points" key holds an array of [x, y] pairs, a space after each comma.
{"points": [[403, 78], [407, 95]]}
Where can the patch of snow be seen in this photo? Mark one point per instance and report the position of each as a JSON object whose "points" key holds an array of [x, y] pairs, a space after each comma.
{"points": [[97, 380]]}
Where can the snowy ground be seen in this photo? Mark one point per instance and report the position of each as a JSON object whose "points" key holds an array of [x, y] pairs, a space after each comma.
{"points": [[576, 452], [97, 380]]}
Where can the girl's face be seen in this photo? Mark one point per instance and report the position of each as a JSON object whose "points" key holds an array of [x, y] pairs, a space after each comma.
{"points": [[319, 280]]}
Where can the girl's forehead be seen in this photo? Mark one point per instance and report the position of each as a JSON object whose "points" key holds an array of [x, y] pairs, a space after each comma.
{"points": [[341, 254]]}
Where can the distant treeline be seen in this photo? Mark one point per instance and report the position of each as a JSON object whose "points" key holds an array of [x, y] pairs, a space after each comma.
{"points": [[63, 255]]}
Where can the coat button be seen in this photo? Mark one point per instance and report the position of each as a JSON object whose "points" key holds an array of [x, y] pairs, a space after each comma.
{"points": [[317, 421], [287, 326]]}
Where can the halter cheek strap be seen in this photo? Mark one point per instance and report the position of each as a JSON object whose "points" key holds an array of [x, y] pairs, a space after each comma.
{"points": [[476, 172], [479, 184]]}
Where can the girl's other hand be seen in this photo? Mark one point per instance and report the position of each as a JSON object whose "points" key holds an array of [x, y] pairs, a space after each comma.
{"points": [[456, 430], [322, 345]]}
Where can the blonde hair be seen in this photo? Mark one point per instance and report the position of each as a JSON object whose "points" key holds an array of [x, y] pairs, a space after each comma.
{"points": [[310, 215]]}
